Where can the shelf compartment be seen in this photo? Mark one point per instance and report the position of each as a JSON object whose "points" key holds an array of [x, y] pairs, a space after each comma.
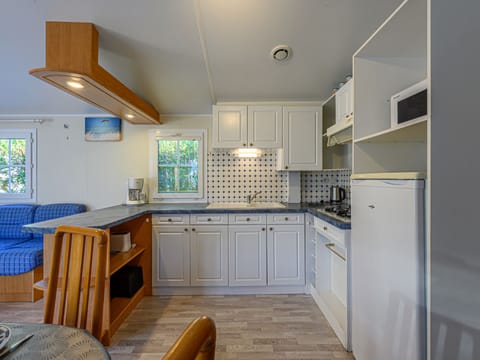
{"points": [[121, 307], [415, 131], [118, 260]]}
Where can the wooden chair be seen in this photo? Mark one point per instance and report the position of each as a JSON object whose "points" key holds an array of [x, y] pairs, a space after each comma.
{"points": [[82, 251], [197, 342]]}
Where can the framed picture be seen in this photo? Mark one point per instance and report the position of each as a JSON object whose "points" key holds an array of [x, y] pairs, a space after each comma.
{"points": [[103, 129]]}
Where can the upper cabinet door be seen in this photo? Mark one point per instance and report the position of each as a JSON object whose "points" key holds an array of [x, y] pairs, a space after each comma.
{"points": [[302, 138], [265, 127], [344, 102], [229, 127]]}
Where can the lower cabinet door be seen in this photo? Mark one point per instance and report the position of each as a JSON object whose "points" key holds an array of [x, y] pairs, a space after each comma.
{"points": [[247, 255], [209, 256], [286, 255], [171, 256]]}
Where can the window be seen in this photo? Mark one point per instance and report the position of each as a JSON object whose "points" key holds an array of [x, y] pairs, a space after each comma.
{"points": [[17, 165], [177, 165]]}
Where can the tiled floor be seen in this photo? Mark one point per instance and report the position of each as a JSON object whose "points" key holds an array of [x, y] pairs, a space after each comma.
{"points": [[248, 327]]}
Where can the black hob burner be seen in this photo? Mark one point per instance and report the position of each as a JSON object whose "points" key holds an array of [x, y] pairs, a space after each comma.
{"points": [[339, 210]]}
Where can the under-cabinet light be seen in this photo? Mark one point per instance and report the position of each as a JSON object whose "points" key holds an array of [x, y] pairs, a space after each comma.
{"points": [[247, 153]]}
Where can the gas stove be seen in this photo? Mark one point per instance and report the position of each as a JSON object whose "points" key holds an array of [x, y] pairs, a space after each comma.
{"points": [[337, 211]]}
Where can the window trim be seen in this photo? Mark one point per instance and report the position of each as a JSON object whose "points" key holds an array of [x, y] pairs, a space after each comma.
{"points": [[175, 134], [30, 166]]}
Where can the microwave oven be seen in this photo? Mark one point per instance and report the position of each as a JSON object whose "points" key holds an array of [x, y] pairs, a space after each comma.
{"points": [[409, 105]]}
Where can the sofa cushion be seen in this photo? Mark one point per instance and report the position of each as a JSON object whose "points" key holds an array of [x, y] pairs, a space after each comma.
{"points": [[12, 218], [21, 257], [53, 211]]}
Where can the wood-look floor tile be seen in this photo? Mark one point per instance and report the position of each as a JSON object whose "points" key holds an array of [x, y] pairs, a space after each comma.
{"points": [[263, 327]]}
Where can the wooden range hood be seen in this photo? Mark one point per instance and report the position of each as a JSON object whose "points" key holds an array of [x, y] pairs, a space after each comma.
{"points": [[72, 66]]}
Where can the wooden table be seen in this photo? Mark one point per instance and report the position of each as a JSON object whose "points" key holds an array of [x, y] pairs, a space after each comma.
{"points": [[54, 342]]}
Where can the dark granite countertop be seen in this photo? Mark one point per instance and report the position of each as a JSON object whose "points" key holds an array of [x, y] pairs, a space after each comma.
{"points": [[115, 215]]}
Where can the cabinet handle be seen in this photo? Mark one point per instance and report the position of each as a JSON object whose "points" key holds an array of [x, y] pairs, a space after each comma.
{"points": [[244, 144], [251, 144], [193, 229], [209, 219], [248, 219], [325, 228], [286, 218], [271, 229], [169, 220], [147, 220], [371, 206], [263, 229], [185, 229], [286, 167]]}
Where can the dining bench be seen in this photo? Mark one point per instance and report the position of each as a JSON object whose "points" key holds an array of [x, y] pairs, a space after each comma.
{"points": [[21, 253]]}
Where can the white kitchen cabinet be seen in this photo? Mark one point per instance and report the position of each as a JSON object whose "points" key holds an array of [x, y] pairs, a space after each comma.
{"points": [[171, 256], [344, 102], [209, 255], [229, 126], [265, 127], [310, 255], [247, 126], [302, 139], [286, 254], [247, 246], [190, 255]]}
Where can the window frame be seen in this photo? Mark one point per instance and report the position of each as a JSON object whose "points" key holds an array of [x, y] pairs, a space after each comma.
{"points": [[30, 195], [178, 134]]}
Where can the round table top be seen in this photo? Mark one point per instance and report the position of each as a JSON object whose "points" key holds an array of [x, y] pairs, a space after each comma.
{"points": [[54, 342]]}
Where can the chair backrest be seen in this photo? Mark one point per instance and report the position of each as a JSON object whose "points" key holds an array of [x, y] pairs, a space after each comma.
{"points": [[79, 252], [197, 342]]}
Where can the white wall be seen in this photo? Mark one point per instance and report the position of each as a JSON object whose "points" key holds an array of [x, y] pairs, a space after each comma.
{"points": [[71, 169]]}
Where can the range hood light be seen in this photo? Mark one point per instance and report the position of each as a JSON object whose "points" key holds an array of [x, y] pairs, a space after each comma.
{"points": [[74, 84], [129, 116]]}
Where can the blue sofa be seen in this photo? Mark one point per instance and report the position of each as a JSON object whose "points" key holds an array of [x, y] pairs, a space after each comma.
{"points": [[21, 253]]}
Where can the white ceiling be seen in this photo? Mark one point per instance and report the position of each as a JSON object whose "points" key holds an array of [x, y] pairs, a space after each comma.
{"points": [[184, 55]]}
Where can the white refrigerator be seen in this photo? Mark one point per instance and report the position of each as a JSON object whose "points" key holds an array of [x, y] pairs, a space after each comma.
{"points": [[388, 270]]}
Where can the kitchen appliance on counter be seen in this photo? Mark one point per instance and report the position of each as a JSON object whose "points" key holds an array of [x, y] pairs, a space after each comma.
{"points": [[135, 196], [388, 269], [337, 194]]}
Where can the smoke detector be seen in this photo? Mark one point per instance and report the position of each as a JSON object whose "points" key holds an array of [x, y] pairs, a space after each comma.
{"points": [[281, 53]]}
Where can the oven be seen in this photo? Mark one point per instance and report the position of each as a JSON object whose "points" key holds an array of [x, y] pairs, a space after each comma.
{"points": [[332, 277]]}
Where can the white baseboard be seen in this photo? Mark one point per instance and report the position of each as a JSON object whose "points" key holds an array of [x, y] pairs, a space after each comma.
{"points": [[225, 290]]}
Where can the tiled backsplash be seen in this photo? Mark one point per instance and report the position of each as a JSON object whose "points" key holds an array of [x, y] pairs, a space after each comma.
{"points": [[231, 179], [316, 184]]}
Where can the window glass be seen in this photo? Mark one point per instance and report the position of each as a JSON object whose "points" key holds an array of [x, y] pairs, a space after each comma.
{"points": [[178, 166], [17, 168]]}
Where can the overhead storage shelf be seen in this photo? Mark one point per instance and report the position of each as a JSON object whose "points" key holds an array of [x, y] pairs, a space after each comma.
{"points": [[72, 66], [412, 132]]}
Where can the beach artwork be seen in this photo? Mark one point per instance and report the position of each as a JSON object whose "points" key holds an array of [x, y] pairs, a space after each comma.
{"points": [[103, 129]]}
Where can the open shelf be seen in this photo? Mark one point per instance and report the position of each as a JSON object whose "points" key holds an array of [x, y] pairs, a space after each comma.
{"points": [[119, 260], [412, 132], [120, 308]]}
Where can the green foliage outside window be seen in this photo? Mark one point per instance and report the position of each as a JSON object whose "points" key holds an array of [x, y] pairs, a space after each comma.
{"points": [[177, 166], [12, 165]]}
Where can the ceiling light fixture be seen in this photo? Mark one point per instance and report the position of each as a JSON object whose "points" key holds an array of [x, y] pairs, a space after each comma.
{"points": [[129, 116], [281, 53], [74, 84]]}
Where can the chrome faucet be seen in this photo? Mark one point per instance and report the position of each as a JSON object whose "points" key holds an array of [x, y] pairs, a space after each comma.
{"points": [[250, 197]]}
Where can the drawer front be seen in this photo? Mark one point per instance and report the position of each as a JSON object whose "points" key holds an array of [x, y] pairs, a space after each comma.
{"points": [[330, 231], [247, 219], [171, 219], [288, 218], [208, 219]]}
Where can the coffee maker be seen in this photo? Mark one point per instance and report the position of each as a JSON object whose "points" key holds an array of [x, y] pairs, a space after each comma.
{"points": [[134, 191]]}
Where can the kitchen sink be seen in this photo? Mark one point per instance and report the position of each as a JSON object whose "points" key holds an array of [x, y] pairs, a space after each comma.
{"points": [[245, 205]]}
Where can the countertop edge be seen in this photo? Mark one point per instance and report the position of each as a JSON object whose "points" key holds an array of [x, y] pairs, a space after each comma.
{"points": [[112, 216]]}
